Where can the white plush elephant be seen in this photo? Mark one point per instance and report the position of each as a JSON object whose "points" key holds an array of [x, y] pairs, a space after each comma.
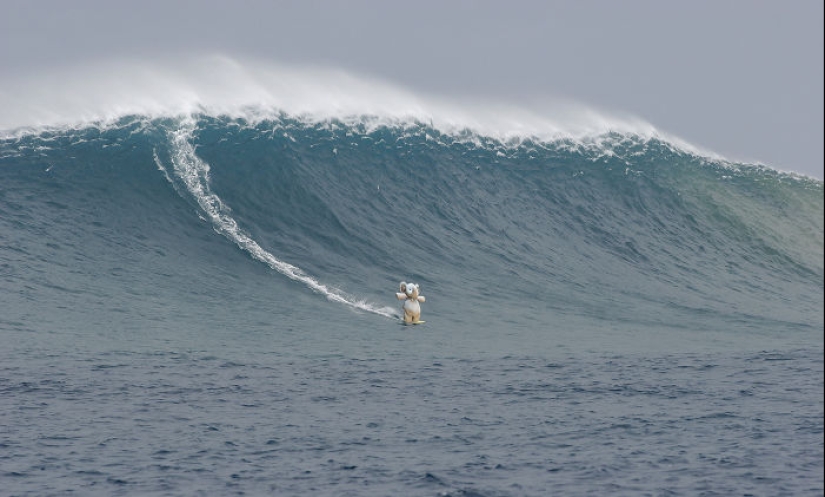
{"points": [[412, 307]]}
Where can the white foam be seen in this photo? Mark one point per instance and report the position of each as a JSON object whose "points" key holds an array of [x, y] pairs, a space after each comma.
{"points": [[254, 90], [194, 173]]}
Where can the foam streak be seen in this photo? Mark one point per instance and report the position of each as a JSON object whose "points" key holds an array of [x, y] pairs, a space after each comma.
{"points": [[194, 173]]}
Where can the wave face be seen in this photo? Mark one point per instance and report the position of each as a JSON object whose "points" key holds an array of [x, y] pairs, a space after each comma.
{"points": [[193, 216]]}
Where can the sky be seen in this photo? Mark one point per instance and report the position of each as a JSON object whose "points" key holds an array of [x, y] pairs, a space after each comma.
{"points": [[741, 78]]}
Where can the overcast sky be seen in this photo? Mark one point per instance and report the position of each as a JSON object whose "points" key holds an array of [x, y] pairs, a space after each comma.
{"points": [[743, 78]]}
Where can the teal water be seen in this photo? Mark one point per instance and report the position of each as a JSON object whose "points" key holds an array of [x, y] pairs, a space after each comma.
{"points": [[206, 305]]}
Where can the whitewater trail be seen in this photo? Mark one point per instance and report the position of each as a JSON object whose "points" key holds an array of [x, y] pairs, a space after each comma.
{"points": [[194, 173]]}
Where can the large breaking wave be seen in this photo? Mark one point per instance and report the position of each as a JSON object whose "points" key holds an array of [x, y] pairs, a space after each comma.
{"points": [[347, 187]]}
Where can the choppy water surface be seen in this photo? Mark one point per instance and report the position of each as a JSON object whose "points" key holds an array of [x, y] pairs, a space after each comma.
{"points": [[183, 424]]}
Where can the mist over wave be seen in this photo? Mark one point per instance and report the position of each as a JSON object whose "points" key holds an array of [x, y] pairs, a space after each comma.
{"points": [[255, 90]]}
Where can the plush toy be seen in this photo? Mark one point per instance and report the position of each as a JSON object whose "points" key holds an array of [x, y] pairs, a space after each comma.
{"points": [[412, 308]]}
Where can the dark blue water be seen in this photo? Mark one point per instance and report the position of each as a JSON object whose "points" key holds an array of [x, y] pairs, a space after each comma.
{"points": [[205, 305]]}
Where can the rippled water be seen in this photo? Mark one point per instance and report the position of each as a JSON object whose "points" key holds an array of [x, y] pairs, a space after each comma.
{"points": [[194, 424]]}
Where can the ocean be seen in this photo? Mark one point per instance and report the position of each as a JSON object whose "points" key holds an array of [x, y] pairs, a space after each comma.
{"points": [[204, 304]]}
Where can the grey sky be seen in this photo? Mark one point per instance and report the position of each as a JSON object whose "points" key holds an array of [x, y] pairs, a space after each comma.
{"points": [[743, 78]]}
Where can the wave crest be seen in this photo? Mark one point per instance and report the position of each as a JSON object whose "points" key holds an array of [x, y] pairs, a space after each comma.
{"points": [[253, 90]]}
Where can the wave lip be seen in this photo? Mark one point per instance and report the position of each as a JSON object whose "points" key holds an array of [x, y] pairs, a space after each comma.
{"points": [[101, 94]]}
